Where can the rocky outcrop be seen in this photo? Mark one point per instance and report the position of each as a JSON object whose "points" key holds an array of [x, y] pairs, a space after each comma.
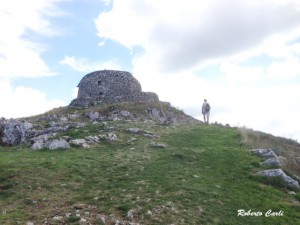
{"points": [[40, 129], [14, 131], [110, 86], [89, 140], [271, 159], [290, 182]]}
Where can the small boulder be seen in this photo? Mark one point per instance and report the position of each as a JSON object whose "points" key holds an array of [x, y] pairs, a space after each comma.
{"points": [[80, 206], [13, 131], [57, 144], [92, 115], [73, 116], [157, 145], [134, 130], [272, 162], [38, 145], [290, 182], [264, 153], [78, 142]]}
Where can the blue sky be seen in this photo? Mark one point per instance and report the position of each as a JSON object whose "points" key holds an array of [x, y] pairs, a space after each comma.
{"points": [[243, 56]]}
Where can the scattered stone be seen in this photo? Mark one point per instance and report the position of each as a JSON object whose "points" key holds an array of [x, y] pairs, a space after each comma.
{"points": [[157, 145], [38, 145], [264, 153], [79, 125], [144, 132], [82, 221], [92, 139], [92, 115], [290, 182], [130, 213], [73, 116], [54, 124], [151, 136], [272, 162], [42, 138], [101, 218], [132, 140], [80, 206], [29, 223], [108, 137], [125, 114], [67, 138], [149, 213], [78, 142], [57, 144], [134, 130], [64, 119], [58, 218]]}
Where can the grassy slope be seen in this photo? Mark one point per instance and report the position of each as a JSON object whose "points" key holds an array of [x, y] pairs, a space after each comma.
{"points": [[203, 177]]}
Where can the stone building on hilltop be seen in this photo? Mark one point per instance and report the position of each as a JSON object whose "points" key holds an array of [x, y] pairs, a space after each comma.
{"points": [[109, 86]]}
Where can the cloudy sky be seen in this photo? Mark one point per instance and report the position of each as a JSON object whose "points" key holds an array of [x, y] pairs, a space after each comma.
{"points": [[243, 56]]}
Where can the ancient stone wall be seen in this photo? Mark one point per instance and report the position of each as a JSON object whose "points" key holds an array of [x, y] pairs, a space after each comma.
{"points": [[109, 86]]}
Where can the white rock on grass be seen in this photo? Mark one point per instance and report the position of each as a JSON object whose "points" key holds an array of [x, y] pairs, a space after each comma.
{"points": [[264, 153], [57, 144], [290, 182], [38, 145], [157, 145]]}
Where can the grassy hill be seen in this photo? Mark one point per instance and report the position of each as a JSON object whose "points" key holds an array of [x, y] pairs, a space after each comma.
{"points": [[204, 175]]}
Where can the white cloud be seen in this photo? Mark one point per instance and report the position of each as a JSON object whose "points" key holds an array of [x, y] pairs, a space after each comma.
{"points": [[22, 101], [195, 31], [18, 53], [21, 57], [182, 40], [84, 65]]}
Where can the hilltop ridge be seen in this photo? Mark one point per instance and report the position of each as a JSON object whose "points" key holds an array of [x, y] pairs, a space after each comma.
{"points": [[48, 125]]}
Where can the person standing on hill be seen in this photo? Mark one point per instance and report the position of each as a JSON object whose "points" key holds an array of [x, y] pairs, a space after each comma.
{"points": [[205, 111]]}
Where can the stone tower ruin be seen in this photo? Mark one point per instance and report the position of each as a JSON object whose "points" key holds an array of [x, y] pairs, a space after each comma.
{"points": [[109, 86]]}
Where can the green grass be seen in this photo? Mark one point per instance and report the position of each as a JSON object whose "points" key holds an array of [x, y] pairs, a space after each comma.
{"points": [[203, 176]]}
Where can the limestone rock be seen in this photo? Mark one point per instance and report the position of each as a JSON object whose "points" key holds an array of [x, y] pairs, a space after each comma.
{"points": [[73, 116], [57, 144], [156, 113], [80, 206], [272, 162], [290, 182], [134, 130], [130, 213], [13, 132], [93, 116], [264, 153], [38, 145], [157, 145], [108, 137], [78, 142]]}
